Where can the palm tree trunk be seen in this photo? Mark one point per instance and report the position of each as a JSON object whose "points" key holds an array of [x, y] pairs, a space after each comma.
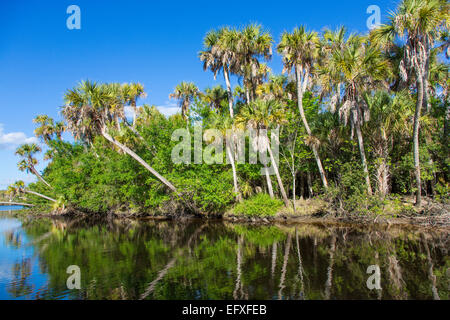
{"points": [[416, 140], [329, 282], [233, 167], [274, 258], [309, 183], [269, 181], [277, 173], [284, 267], [363, 155], [39, 195], [229, 93], [294, 174], [300, 266], [133, 105], [238, 286], [300, 92], [140, 160], [36, 173]]}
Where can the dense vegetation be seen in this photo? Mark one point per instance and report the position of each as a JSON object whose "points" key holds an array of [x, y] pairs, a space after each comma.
{"points": [[362, 119]]}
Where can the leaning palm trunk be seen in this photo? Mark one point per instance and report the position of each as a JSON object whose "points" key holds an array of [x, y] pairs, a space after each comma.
{"points": [[161, 274], [140, 160], [416, 140], [39, 195], [284, 267], [300, 91], [431, 275], [269, 181], [277, 173], [36, 173]]}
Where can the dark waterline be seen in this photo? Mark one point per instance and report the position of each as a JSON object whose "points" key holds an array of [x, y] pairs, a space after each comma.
{"points": [[217, 260]]}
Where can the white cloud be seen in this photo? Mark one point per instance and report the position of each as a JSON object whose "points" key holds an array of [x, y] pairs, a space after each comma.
{"points": [[13, 139], [169, 108], [129, 112]]}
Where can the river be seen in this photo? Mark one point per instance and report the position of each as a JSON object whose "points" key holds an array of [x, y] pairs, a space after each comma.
{"points": [[122, 259]]}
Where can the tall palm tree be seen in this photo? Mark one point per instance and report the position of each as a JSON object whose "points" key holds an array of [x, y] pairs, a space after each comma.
{"points": [[89, 111], [185, 93], [131, 93], [262, 115], [299, 50], [219, 56], [389, 117], [420, 22], [347, 74], [28, 162], [250, 45]]}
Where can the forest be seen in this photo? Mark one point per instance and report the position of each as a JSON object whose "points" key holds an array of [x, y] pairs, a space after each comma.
{"points": [[363, 122]]}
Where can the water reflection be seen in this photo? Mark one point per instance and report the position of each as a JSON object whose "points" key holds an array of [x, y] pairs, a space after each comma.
{"points": [[122, 259]]}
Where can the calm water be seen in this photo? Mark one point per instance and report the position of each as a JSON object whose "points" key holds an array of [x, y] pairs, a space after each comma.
{"points": [[216, 260]]}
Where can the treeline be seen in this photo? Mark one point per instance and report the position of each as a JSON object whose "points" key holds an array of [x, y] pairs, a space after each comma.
{"points": [[362, 119]]}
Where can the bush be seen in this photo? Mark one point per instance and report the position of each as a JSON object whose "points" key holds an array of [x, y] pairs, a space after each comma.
{"points": [[261, 205]]}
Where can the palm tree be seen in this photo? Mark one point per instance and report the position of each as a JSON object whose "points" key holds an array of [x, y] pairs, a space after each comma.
{"points": [[48, 128], [357, 67], [261, 115], [218, 56], [19, 187], [250, 44], [214, 97], [131, 93], [420, 22], [185, 93], [224, 124], [28, 162], [300, 51], [389, 117], [89, 111]]}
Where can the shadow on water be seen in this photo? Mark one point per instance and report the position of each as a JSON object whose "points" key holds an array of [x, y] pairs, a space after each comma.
{"points": [[129, 259]]}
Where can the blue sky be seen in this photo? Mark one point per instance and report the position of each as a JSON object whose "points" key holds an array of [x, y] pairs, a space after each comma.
{"points": [[152, 42]]}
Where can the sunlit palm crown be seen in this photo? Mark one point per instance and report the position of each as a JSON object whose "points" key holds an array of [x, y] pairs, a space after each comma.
{"points": [[261, 114], [185, 93], [300, 48], [90, 107]]}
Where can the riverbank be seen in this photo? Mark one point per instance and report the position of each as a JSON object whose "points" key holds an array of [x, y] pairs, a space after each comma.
{"points": [[400, 212]]}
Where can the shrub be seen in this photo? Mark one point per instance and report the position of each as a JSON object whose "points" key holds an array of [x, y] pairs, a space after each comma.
{"points": [[261, 205]]}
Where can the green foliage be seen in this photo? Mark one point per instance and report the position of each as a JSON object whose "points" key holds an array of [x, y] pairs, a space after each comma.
{"points": [[260, 205]]}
